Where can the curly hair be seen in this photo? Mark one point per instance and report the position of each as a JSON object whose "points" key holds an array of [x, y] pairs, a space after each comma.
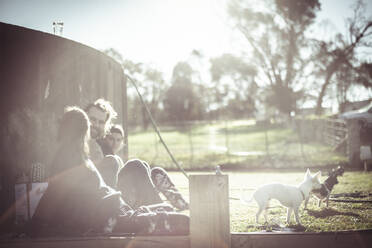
{"points": [[107, 108]]}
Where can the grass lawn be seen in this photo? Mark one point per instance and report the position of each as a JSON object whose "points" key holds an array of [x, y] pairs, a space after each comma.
{"points": [[261, 153], [338, 216], [233, 143]]}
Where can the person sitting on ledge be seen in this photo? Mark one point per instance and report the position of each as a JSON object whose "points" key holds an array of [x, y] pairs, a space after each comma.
{"points": [[78, 202], [139, 183]]}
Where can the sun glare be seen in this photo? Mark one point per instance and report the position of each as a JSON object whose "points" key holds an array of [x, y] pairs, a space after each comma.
{"points": [[171, 30]]}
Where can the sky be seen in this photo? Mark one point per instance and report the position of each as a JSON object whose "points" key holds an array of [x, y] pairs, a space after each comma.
{"points": [[160, 33]]}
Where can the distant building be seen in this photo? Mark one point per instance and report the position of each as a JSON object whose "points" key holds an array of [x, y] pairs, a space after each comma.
{"points": [[350, 106], [311, 111]]}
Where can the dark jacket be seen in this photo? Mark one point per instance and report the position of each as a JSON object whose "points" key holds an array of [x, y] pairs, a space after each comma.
{"points": [[76, 202]]}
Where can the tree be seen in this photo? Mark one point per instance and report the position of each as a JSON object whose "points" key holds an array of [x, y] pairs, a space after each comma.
{"points": [[150, 83], [152, 87], [275, 31], [234, 88], [341, 54], [181, 103], [153, 91], [364, 75], [201, 82], [113, 53]]}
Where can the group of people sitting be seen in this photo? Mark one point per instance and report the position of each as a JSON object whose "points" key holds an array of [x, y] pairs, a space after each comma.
{"points": [[91, 191]]}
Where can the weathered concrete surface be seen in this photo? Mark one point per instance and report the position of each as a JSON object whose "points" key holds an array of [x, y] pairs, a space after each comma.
{"points": [[101, 242], [40, 74], [343, 239]]}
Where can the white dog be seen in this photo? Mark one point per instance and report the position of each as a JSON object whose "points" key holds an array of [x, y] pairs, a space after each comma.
{"points": [[288, 195]]}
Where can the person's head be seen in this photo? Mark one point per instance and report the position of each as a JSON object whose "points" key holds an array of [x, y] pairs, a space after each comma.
{"points": [[74, 130], [100, 114], [115, 138]]}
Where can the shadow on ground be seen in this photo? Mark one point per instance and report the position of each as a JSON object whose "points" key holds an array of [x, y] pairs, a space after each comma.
{"points": [[326, 212], [274, 227]]}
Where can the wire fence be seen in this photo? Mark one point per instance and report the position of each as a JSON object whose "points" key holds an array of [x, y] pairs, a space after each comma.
{"points": [[241, 143], [335, 131]]}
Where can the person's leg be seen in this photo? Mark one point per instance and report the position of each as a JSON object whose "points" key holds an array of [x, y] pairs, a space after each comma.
{"points": [[109, 169], [154, 223], [164, 184], [136, 185]]}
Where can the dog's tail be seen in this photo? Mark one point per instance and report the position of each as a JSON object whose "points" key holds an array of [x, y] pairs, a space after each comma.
{"points": [[243, 199]]}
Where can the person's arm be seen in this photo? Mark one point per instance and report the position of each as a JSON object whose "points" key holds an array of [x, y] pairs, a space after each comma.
{"points": [[95, 152]]}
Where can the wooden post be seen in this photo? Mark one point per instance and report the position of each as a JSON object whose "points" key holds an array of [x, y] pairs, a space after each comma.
{"points": [[353, 143], [209, 211]]}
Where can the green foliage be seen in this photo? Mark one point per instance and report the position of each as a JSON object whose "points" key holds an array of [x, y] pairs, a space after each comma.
{"points": [[276, 37], [181, 102], [298, 11], [233, 66], [341, 59], [234, 88]]}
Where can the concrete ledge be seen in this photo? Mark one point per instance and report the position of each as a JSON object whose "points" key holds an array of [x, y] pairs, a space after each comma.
{"points": [[100, 242], [342, 239]]}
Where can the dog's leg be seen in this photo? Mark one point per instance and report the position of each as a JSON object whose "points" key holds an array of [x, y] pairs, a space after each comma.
{"points": [[289, 213], [306, 201], [327, 200], [265, 212], [296, 216], [319, 202], [265, 215], [261, 207]]}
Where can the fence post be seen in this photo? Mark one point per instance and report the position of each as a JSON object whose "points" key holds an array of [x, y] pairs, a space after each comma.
{"points": [[353, 143], [191, 160], [227, 139], [125, 121], [209, 211]]}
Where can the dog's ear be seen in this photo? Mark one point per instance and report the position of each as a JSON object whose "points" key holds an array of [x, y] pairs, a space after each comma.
{"points": [[307, 175], [317, 175]]}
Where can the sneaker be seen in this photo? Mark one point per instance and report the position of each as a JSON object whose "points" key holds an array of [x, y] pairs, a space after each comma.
{"points": [[164, 185]]}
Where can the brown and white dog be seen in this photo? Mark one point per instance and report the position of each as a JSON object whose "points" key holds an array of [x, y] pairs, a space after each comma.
{"points": [[324, 192]]}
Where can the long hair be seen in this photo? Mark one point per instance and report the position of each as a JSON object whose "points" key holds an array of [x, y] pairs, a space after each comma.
{"points": [[73, 135]]}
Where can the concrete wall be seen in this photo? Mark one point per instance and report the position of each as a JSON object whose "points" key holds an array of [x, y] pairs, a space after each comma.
{"points": [[40, 74]]}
